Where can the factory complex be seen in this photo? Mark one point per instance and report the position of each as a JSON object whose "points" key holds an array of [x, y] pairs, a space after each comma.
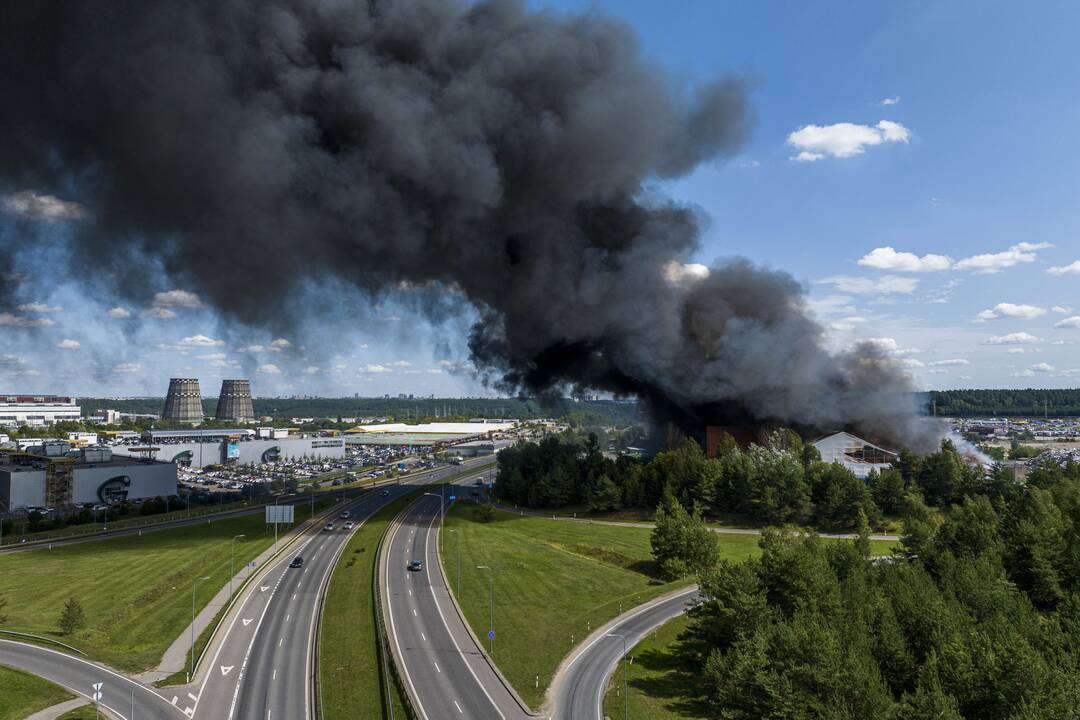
{"points": [[428, 434], [235, 446], [54, 475]]}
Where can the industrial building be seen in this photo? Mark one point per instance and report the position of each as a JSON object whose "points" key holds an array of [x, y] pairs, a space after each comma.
{"points": [[235, 446], [183, 403], [425, 434], [55, 475], [234, 402], [37, 410], [854, 453]]}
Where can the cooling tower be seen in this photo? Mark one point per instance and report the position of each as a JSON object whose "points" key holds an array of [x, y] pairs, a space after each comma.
{"points": [[184, 401], [234, 403]]}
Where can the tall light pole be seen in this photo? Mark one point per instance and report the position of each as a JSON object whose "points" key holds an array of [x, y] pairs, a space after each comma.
{"points": [[442, 507], [232, 561], [626, 698], [191, 665], [491, 608]]}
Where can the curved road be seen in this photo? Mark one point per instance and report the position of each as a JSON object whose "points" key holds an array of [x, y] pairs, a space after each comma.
{"points": [[444, 672]]}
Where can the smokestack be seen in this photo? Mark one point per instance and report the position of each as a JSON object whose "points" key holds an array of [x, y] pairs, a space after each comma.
{"points": [[184, 401], [234, 402]]}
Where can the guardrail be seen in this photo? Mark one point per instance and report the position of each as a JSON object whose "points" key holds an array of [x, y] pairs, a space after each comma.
{"points": [[42, 639]]}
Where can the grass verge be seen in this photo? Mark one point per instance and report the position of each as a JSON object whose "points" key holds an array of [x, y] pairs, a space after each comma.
{"points": [[23, 694], [349, 671], [662, 686], [135, 591]]}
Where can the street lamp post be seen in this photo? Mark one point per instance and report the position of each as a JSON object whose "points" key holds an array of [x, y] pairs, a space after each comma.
{"points": [[232, 561], [442, 506], [491, 608], [626, 698], [191, 665]]}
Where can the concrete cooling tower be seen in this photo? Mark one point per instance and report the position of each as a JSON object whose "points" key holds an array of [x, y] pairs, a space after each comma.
{"points": [[184, 401], [234, 403]]}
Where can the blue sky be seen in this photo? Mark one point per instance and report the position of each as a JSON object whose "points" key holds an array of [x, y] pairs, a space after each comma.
{"points": [[976, 157]]}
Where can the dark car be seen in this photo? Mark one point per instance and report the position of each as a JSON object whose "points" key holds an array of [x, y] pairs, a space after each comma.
{"points": [[416, 566], [384, 493], [296, 562]]}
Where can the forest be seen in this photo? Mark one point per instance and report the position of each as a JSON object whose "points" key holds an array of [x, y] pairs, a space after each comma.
{"points": [[1015, 403]]}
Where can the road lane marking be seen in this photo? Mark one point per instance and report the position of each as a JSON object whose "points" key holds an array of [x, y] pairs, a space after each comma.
{"points": [[287, 617], [225, 670], [458, 708], [248, 621], [436, 666], [423, 637], [280, 640], [274, 677], [414, 612], [193, 697], [264, 588]]}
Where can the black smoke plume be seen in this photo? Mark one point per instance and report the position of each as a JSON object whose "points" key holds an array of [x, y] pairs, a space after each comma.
{"points": [[484, 148]]}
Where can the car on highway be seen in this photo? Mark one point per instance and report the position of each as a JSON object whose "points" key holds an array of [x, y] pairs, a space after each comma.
{"points": [[296, 562], [349, 525], [329, 526], [416, 566], [384, 493], [345, 515]]}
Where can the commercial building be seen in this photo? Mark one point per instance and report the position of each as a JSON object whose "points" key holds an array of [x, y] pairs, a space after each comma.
{"points": [[425, 434], [235, 446], [854, 453], [55, 475], [37, 410]]}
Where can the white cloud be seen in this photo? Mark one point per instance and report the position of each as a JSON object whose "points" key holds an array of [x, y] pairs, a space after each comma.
{"points": [[910, 363], [401, 363], [1072, 268], [1071, 323], [311, 370], [12, 320], [952, 362], [281, 343], [895, 100], [1042, 368], [990, 263], [1011, 310], [1017, 351], [68, 344], [831, 305], [118, 313], [434, 371], [39, 308], [1061, 309], [211, 357], [177, 298], [884, 285], [127, 368], [942, 295], [269, 369], [30, 205], [374, 369], [158, 312], [1016, 338], [201, 341], [815, 142], [886, 258]]}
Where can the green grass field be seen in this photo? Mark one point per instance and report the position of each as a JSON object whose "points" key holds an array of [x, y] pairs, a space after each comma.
{"points": [[348, 657], [22, 694], [135, 591], [555, 581], [660, 686]]}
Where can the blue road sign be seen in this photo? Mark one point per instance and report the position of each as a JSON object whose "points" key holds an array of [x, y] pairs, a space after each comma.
{"points": [[453, 497], [491, 634]]}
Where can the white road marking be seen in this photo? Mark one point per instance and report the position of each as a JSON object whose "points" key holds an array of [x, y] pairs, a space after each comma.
{"points": [[436, 666], [287, 617], [414, 612], [193, 697], [264, 588], [280, 640], [458, 708], [423, 637], [174, 699], [248, 621], [410, 593], [274, 676], [294, 596], [226, 669]]}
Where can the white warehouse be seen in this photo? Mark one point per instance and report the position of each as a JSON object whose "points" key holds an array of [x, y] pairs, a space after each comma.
{"points": [[854, 453]]}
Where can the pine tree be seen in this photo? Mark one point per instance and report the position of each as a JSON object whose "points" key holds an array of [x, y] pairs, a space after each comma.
{"points": [[72, 617]]}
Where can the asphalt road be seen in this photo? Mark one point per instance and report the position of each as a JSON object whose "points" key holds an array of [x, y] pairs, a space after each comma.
{"points": [[263, 666], [578, 690], [118, 692], [444, 672]]}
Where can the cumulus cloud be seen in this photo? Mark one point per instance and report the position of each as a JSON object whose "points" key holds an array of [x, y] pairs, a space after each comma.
{"points": [[1070, 323], [1016, 338], [37, 307], [311, 370], [884, 285], [886, 258], [894, 100], [211, 356], [118, 313], [159, 313], [1011, 310], [281, 343], [177, 298], [68, 344], [1042, 368], [1072, 268], [401, 363], [952, 362], [269, 369], [201, 341], [841, 140], [375, 369], [127, 368], [13, 320], [31, 206], [1061, 309], [989, 263]]}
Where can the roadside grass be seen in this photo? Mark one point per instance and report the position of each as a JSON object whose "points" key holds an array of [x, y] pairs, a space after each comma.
{"points": [[181, 676], [23, 694], [86, 712], [135, 591], [350, 676], [662, 686], [555, 582]]}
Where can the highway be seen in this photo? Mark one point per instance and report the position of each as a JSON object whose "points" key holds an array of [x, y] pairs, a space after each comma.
{"points": [[445, 674], [577, 692]]}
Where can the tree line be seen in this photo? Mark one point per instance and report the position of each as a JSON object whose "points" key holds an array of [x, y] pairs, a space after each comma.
{"points": [[1015, 403]]}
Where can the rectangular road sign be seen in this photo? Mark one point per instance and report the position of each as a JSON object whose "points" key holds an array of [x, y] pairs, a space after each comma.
{"points": [[279, 514]]}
